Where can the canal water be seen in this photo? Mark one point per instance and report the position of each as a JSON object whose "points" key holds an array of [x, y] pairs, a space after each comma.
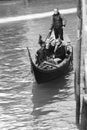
{"points": [[25, 105]]}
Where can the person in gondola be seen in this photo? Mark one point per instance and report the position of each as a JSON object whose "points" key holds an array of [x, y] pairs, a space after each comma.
{"points": [[40, 41], [60, 49], [57, 24], [50, 45], [41, 53]]}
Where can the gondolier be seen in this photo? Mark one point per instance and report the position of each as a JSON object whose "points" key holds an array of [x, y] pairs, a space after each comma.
{"points": [[57, 24]]}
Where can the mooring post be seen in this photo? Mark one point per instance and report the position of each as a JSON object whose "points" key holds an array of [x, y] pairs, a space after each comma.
{"points": [[78, 63], [84, 41], [84, 101], [84, 113]]}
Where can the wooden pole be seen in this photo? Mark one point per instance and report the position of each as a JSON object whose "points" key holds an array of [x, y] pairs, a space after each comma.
{"points": [[78, 64], [84, 102], [84, 40], [84, 113]]}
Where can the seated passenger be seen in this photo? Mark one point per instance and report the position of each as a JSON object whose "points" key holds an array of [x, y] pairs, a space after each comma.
{"points": [[60, 49], [41, 54], [50, 46], [40, 41]]}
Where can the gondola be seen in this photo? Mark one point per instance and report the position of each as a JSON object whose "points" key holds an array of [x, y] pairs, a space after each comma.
{"points": [[48, 71]]}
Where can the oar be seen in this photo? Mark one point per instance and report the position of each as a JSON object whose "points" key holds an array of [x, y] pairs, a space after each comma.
{"points": [[30, 58], [48, 35]]}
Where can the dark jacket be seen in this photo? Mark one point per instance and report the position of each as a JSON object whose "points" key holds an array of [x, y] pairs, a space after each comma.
{"points": [[40, 55], [57, 21], [60, 51]]}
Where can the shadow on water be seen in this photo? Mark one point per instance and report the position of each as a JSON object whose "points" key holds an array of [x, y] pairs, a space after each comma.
{"points": [[49, 93]]}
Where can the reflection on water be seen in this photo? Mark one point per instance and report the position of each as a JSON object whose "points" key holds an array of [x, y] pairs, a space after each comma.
{"points": [[48, 93], [49, 101]]}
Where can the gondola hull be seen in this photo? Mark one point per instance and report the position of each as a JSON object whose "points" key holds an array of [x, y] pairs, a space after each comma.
{"points": [[43, 76]]}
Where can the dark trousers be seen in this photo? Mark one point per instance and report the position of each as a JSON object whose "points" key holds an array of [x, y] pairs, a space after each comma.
{"points": [[58, 32]]}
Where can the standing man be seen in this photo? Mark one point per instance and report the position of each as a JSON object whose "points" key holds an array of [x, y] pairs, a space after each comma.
{"points": [[57, 24]]}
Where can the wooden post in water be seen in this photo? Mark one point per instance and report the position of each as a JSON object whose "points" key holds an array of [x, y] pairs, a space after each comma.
{"points": [[84, 40], [84, 102], [84, 113], [78, 64]]}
